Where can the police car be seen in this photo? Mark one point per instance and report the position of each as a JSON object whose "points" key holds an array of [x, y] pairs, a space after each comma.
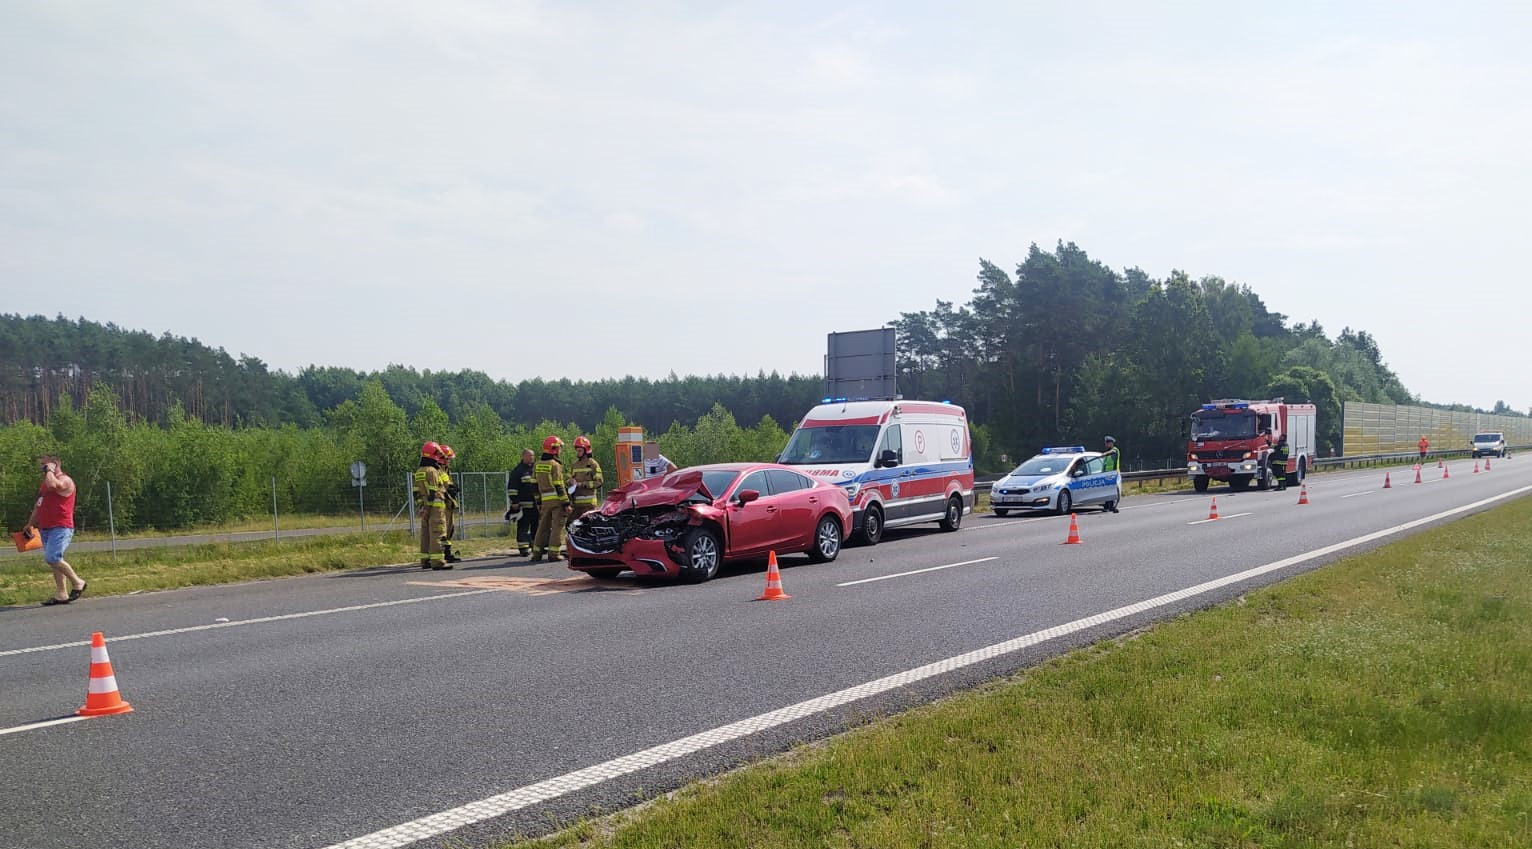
{"points": [[1059, 479]]}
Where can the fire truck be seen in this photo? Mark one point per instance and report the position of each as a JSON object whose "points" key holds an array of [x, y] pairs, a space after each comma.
{"points": [[1229, 439]]}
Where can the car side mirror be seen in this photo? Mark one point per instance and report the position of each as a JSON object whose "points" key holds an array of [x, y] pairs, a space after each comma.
{"points": [[888, 459], [745, 496], [1077, 473]]}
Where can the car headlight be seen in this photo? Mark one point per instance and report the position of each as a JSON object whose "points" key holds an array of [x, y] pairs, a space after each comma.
{"points": [[852, 489]]}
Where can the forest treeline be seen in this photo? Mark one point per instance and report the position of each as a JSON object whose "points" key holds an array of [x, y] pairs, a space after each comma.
{"points": [[1059, 349]]}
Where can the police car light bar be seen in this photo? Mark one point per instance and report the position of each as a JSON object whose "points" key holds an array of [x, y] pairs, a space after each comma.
{"points": [[1065, 449]]}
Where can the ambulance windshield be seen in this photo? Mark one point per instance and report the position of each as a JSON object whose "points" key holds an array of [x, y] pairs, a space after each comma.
{"points": [[830, 444], [1216, 424]]}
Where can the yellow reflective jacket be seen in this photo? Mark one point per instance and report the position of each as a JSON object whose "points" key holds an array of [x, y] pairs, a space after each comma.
{"points": [[550, 479], [430, 490], [586, 474]]}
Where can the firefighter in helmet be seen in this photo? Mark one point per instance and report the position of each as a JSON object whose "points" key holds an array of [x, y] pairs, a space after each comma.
{"points": [[585, 479], [552, 502], [450, 488], [521, 491], [431, 501]]}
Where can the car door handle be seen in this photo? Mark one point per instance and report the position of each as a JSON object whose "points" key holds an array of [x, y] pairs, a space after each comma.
{"points": [[771, 509], [813, 499]]}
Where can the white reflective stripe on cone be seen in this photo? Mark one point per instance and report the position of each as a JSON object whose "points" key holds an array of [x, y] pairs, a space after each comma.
{"points": [[103, 685], [98, 655]]}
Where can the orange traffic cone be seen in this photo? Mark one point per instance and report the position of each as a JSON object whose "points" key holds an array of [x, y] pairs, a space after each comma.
{"points": [[1386, 483], [101, 696], [1213, 511], [1303, 493], [1074, 531], [1417, 474], [773, 582], [1446, 472], [1486, 464], [1476, 467]]}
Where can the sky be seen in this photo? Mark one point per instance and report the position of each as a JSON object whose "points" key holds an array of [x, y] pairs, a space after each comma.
{"points": [[587, 190]]}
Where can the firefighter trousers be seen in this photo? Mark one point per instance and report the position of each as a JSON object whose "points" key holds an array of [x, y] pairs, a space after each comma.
{"points": [[526, 527], [433, 527], [550, 529], [580, 510]]}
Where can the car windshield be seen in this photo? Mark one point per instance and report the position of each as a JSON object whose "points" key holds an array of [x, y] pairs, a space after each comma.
{"points": [[1211, 424], [718, 480], [1043, 464], [1486, 437], [830, 444]]}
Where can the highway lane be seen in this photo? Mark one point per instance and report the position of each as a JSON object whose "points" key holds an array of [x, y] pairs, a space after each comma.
{"points": [[308, 731]]}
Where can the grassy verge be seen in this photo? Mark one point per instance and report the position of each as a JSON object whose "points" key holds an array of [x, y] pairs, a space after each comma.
{"points": [[27, 579], [1385, 700]]}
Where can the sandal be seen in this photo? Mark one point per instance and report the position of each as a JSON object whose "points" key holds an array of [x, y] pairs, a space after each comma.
{"points": [[74, 594], [52, 601]]}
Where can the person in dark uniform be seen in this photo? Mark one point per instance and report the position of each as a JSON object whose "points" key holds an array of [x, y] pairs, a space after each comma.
{"points": [[1276, 463], [522, 491]]}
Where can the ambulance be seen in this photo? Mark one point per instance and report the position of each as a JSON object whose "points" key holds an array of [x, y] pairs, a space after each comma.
{"points": [[900, 462]]}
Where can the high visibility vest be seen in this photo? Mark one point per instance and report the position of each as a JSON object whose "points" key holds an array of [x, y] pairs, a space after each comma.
{"points": [[1111, 461], [429, 489], [587, 473], [447, 496], [550, 480]]}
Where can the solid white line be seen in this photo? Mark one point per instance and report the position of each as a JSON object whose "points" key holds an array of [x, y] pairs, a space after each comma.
{"points": [[1355, 494], [1160, 504], [36, 725], [260, 621], [522, 797], [1220, 518], [917, 572]]}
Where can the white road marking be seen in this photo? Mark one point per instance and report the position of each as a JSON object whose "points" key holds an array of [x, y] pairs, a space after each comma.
{"points": [[259, 621], [1159, 504], [430, 826], [917, 572], [1355, 494], [1220, 518], [36, 725]]}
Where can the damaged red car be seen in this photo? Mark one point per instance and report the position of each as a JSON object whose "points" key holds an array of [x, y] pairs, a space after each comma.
{"points": [[688, 523]]}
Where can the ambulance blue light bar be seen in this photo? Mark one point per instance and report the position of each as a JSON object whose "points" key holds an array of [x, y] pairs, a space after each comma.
{"points": [[833, 400], [1065, 449]]}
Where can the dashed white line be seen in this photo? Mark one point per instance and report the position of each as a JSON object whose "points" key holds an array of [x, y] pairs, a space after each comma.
{"points": [[1355, 494], [1220, 518], [36, 725], [917, 572], [258, 621], [436, 824]]}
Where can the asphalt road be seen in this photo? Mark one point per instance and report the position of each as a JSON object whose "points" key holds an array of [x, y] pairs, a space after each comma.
{"points": [[306, 712]]}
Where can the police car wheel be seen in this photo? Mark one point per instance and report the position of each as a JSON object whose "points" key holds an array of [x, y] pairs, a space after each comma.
{"points": [[1066, 501], [954, 516]]}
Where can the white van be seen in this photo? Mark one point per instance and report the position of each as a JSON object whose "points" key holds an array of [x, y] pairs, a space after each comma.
{"points": [[901, 462]]}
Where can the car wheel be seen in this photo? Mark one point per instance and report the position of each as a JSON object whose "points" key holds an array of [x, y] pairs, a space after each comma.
{"points": [[826, 540], [1066, 502], [1200, 483], [1111, 506], [704, 554], [872, 525], [605, 574], [1001, 512], [953, 519]]}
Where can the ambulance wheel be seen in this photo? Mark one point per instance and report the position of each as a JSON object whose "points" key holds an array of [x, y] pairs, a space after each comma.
{"points": [[703, 555], [1001, 512], [954, 516], [1066, 501], [1200, 483], [872, 526], [605, 574], [826, 540]]}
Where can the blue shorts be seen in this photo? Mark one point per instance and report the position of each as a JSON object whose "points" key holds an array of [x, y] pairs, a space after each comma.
{"points": [[55, 540]]}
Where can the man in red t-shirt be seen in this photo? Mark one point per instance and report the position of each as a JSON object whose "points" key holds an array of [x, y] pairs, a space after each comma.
{"points": [[1425, 445], [53, 517]]}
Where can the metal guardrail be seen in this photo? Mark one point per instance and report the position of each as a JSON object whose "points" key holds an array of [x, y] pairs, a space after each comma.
{"points": [[1357, 461]]}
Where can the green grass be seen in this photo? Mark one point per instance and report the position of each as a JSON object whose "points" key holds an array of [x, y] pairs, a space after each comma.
{"points": [[27, 580], [1383, 701]]}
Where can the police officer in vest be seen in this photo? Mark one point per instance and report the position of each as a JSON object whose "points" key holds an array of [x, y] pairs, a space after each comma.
{"points": [[1111, 461], [552, 502], [521, 490]]}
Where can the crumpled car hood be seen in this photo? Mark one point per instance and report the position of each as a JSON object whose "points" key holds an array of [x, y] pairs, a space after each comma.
{"points": [[674, 488]]}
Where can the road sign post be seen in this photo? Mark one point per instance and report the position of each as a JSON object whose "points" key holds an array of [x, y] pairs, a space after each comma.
{"points": [[359, 480]]}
